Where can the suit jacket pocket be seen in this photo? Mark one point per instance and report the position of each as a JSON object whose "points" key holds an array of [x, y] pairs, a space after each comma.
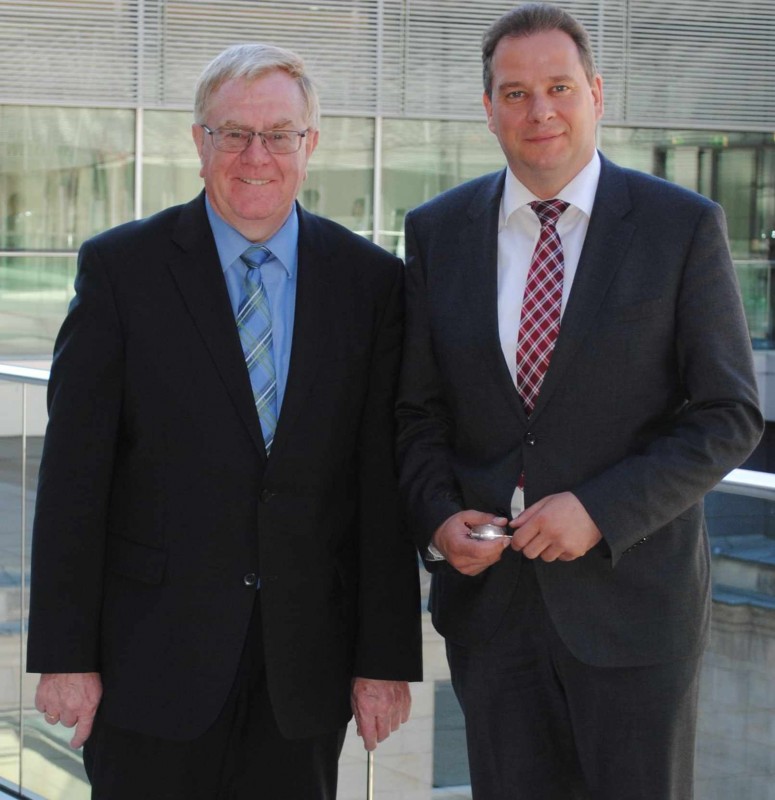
{"points": [[134, 560]]}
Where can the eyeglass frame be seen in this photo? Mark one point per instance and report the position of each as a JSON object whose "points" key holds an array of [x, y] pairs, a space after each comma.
{"points": [[252, 135]]}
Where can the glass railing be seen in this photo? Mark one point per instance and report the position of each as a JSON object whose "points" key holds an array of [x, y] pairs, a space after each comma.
{"points": [[35, 289], [756, 286], [426, 758]]}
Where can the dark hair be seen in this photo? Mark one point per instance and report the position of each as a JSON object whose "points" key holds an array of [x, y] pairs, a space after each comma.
{"points": [[531, 18]]}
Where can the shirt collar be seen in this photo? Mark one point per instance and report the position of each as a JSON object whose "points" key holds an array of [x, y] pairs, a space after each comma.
{"points": [[580, 192], [231, 244]]}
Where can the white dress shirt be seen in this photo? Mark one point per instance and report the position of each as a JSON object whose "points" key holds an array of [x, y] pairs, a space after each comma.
{"points": [[518, 231]]}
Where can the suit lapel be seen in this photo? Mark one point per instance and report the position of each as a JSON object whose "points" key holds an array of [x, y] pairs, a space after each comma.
{"points": [[477, 252], [605, 246], [311, 323], [200, 280]]}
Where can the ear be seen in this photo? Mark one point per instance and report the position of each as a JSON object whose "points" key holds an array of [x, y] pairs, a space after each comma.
{"points": [[597, 94], [312, 141], [487, 103], [198, 135]]}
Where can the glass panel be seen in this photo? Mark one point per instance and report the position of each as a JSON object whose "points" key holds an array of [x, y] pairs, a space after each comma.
{"points": [[424, 157], [755, 279], [450, 756], [11, 521], [765, 205], [170, 160], [736, 169], [34, 295], [65, 174], [736, 735], [22, 421], [735, 190], [49, 767], [340, 183]]}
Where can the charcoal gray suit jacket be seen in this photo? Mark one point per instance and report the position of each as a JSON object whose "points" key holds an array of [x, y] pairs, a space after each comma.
{"points": [[157, 505], [649, 400]]}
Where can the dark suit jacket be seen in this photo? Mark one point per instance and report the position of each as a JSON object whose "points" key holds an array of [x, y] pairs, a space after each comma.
{"points": [[156, 498], [648, 401]]}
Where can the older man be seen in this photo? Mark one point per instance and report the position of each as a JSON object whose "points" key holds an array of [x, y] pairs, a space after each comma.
{"points": [[219, 569], [577, 361]]}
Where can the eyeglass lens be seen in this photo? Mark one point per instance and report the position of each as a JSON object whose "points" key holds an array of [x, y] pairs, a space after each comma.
{"points": [[234, 140]]}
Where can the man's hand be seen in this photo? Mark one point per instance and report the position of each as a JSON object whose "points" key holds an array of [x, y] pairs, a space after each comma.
{"points": [[557, 527], [380, 707], [72, 699], [469, 556]]}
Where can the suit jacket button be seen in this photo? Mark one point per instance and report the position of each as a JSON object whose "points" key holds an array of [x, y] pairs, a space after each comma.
{"points": [[250, 579], [267, 495], [530, 439]]}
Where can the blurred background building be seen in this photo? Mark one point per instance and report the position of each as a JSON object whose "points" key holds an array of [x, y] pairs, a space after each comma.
{"points": [[95, 115]]}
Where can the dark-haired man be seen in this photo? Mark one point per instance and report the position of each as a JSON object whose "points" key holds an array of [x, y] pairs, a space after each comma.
{"points": [[576, 362]]}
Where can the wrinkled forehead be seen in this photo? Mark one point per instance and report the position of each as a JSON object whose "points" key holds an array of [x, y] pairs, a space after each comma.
{"points": [[275, 98]]}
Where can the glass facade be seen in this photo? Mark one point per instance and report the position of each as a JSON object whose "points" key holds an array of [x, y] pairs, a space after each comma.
{"points": [[735, 169], [68, 173]]}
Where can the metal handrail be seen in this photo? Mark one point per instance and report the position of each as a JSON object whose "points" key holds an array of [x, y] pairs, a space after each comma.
{"points": [[748, 482], [20, 374]]}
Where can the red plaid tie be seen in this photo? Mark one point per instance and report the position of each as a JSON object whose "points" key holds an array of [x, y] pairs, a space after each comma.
{"points": [[541, 306]]}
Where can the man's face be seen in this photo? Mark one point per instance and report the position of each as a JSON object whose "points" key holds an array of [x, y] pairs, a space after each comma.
{"points": [[543, 109], [255, 190]]}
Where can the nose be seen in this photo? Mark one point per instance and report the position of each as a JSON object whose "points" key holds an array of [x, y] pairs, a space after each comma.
{"points": [[541, 107], [256, 152]]}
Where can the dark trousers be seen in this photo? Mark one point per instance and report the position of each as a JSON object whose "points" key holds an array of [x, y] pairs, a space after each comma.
{"points": [[542, 725], [242, 756]]}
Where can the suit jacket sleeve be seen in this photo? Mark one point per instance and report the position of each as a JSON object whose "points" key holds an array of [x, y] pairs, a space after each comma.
{"points": [[428, 484], [389, 640], [638, 447], [84, 398], [718, 423]]}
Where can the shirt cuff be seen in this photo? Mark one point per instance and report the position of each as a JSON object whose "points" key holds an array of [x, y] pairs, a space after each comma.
{"points": [[433, 554]]}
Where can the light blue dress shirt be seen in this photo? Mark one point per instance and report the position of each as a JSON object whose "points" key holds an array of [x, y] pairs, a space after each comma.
{"points": [[278, 274]]}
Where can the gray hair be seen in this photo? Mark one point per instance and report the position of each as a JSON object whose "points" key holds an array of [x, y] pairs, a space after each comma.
{"points": [[251, 61], [530, 18]]}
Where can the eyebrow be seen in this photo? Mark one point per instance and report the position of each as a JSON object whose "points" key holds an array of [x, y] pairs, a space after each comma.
{"points": [[282, 125], [551, 79]]}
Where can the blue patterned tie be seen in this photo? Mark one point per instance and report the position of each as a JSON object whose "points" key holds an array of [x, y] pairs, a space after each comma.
{"points": [[254, 322]]}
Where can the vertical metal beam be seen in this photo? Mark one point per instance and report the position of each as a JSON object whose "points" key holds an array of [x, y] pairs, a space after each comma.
{"points": [[376, 202], [22, 578], [139, 116]]}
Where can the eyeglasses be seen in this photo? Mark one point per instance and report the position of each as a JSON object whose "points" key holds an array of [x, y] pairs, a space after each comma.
{"points": [[235, 140]]}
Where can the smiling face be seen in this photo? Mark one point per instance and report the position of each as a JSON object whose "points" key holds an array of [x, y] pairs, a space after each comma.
{"points": [[543, 109], [255, 190]]}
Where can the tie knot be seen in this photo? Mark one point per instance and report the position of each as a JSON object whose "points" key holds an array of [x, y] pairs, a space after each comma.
{"points": [[255, 256], [548, 211]]}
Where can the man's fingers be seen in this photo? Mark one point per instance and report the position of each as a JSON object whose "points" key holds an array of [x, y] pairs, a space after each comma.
{"points": [[406, 706], [82, 732], [367, 730], [380, 706], [552, 553], [383, 728]]}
